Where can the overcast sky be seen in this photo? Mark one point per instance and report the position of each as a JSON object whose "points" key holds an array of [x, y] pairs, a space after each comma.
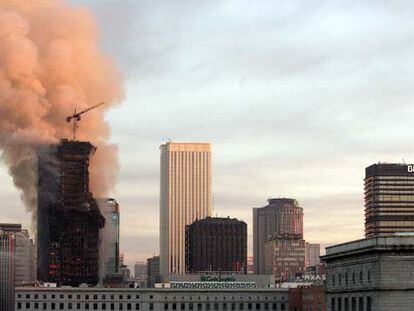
{"points": [[297, 98]]}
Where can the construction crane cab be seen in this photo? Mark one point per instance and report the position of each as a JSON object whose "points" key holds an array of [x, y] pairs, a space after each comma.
{"points": [[76, 117]]}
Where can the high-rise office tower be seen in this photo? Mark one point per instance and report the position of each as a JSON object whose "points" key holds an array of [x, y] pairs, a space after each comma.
{"points": [[281, 216], [185, 195], [389, 199], [7, 248], [153, 271], [285, 256], [109, 238], [140, 270], [216, 244], [313, 252], [68, 217], [24, 256]]}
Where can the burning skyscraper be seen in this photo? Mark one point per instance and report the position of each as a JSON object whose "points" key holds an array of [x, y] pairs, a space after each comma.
{"points": [[68, 219]]}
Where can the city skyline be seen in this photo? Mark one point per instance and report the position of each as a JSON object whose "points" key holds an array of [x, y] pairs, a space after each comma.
{"points": [[322, 135]]}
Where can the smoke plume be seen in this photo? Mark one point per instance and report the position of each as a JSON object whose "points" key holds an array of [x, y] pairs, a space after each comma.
{"points": [[50, 64]]}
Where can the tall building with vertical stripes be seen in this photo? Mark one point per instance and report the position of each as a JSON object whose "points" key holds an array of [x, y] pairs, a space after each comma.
{"points": [[185, 196]]}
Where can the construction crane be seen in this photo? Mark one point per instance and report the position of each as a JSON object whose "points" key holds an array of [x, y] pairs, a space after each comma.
{"points": [[77, 117]]}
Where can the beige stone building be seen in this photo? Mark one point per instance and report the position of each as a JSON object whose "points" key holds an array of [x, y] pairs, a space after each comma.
{"points": [[185, 195]]}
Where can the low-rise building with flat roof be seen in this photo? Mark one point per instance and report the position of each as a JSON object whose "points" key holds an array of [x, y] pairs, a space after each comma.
{"points": [[371, 274]]}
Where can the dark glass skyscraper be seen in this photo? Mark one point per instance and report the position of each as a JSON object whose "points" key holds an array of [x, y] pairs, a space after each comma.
{"points": [[216, 244], [68, 217], [389, 199]]}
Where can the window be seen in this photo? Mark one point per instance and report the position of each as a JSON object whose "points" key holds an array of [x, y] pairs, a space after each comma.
{"points": [[249, 306], [36, 305], [339, 304], [174, 306], [103, 307], [52, 305], [112, 306], [333, 280], [36, 296], [369, 276], [137, 297], [257, 306], [129, 306], [87, 306], [274, 306], [19, 305], [361, 304], [346, 304], [353, 277], [95, 305], [44, 306], [208, 306], [368, 303], [27, 305], [190, 306], [241, 306], [151, 306], [151, 296], [120, 306], [361, 276], [333, 308], [95, 297], [121, 297], [87, 297], [233, 306], [128, 296], [216, 306], [266, 306], [78, 306], [137, 306], [282, 306], [165, 306], [353, 304], [224, 306], [61, 296], [199, 306], [27, 296], [61, 306]]}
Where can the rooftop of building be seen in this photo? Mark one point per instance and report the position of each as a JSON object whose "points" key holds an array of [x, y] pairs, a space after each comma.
{"points": [[217, 220], [99, 289], [400, 242], [187, 146], [280, 203], [389, 169]]}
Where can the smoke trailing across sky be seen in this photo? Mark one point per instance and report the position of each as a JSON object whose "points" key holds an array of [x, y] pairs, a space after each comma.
{"points": [[50, 64]]}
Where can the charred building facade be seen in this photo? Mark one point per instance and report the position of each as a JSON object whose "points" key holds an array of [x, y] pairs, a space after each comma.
{"points": [[216, 244], [68, 219]]}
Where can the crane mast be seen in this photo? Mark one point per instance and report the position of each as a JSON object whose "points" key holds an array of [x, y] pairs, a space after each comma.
{"points": [[76, 117]]}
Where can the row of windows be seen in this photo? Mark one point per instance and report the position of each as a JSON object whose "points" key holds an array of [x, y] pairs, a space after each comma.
{"points": [[343, 279], [86, 297], [128, 297], [79, 306], [351, 304], [137, 306]]}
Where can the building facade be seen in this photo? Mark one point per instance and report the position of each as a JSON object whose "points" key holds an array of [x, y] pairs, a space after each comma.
{"points": [[109, 238], [373, 274], [389, 199], [140, 270], [313, 252], [151, 299], [24, 253], [68, 217], [308, 298], [7, 248], [153, 271], [216, 244], [185, 195], [285, 256], [280, 216]]}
